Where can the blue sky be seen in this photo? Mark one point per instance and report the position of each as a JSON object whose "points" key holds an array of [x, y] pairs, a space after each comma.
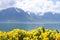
{"points": [[32, 5]]}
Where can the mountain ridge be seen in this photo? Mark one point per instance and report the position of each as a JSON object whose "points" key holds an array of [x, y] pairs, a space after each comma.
{"points": [[17, 15]]}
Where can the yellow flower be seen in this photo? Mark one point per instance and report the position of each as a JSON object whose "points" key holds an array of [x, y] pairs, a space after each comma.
{"points": [[34, 32], [40, 34], [1, 33], [26, 38], [58, 36], [46, 39], [10, 34], [43, 35], [5, 34]]}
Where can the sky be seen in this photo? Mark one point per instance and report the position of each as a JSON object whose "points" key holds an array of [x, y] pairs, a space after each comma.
{"points": [[32, 5]]}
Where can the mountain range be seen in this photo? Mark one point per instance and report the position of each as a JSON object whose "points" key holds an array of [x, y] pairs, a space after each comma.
{"points": [[19, 15]]}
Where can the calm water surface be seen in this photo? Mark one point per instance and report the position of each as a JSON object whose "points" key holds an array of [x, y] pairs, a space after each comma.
{"points": [[11, 26]]}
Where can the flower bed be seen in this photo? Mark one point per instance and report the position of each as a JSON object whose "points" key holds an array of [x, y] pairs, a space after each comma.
{"points": [[38, 34]]}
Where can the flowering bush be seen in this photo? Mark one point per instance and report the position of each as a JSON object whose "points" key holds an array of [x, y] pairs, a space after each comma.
{"points": [[38, 34]]}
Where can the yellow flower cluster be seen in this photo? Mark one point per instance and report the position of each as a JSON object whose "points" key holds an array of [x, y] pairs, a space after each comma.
{"points": [[38, 34]]}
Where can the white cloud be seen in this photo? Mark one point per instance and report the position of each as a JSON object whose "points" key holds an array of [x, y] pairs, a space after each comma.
{"points": [[37, 5], [0, 2], [6, 3], [33, 5]]}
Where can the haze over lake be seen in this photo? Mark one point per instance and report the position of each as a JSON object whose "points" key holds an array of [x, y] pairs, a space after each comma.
{"points": [[28, 26]]}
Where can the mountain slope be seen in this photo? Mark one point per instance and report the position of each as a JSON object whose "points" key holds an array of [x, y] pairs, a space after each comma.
{"points": [[19, 15], [13, 14]]}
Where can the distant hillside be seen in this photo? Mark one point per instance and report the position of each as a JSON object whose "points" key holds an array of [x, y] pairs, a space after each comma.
{"points": [[13, 14], [19, 15]]}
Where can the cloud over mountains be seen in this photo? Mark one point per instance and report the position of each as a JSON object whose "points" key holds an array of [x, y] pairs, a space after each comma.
{"points": [[32, 5]]}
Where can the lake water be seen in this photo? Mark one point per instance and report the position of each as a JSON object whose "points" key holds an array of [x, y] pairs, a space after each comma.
{"points": [[11, 26]]}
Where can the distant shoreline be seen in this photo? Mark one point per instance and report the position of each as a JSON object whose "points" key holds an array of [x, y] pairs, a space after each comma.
{"points": [[33, 22]]}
